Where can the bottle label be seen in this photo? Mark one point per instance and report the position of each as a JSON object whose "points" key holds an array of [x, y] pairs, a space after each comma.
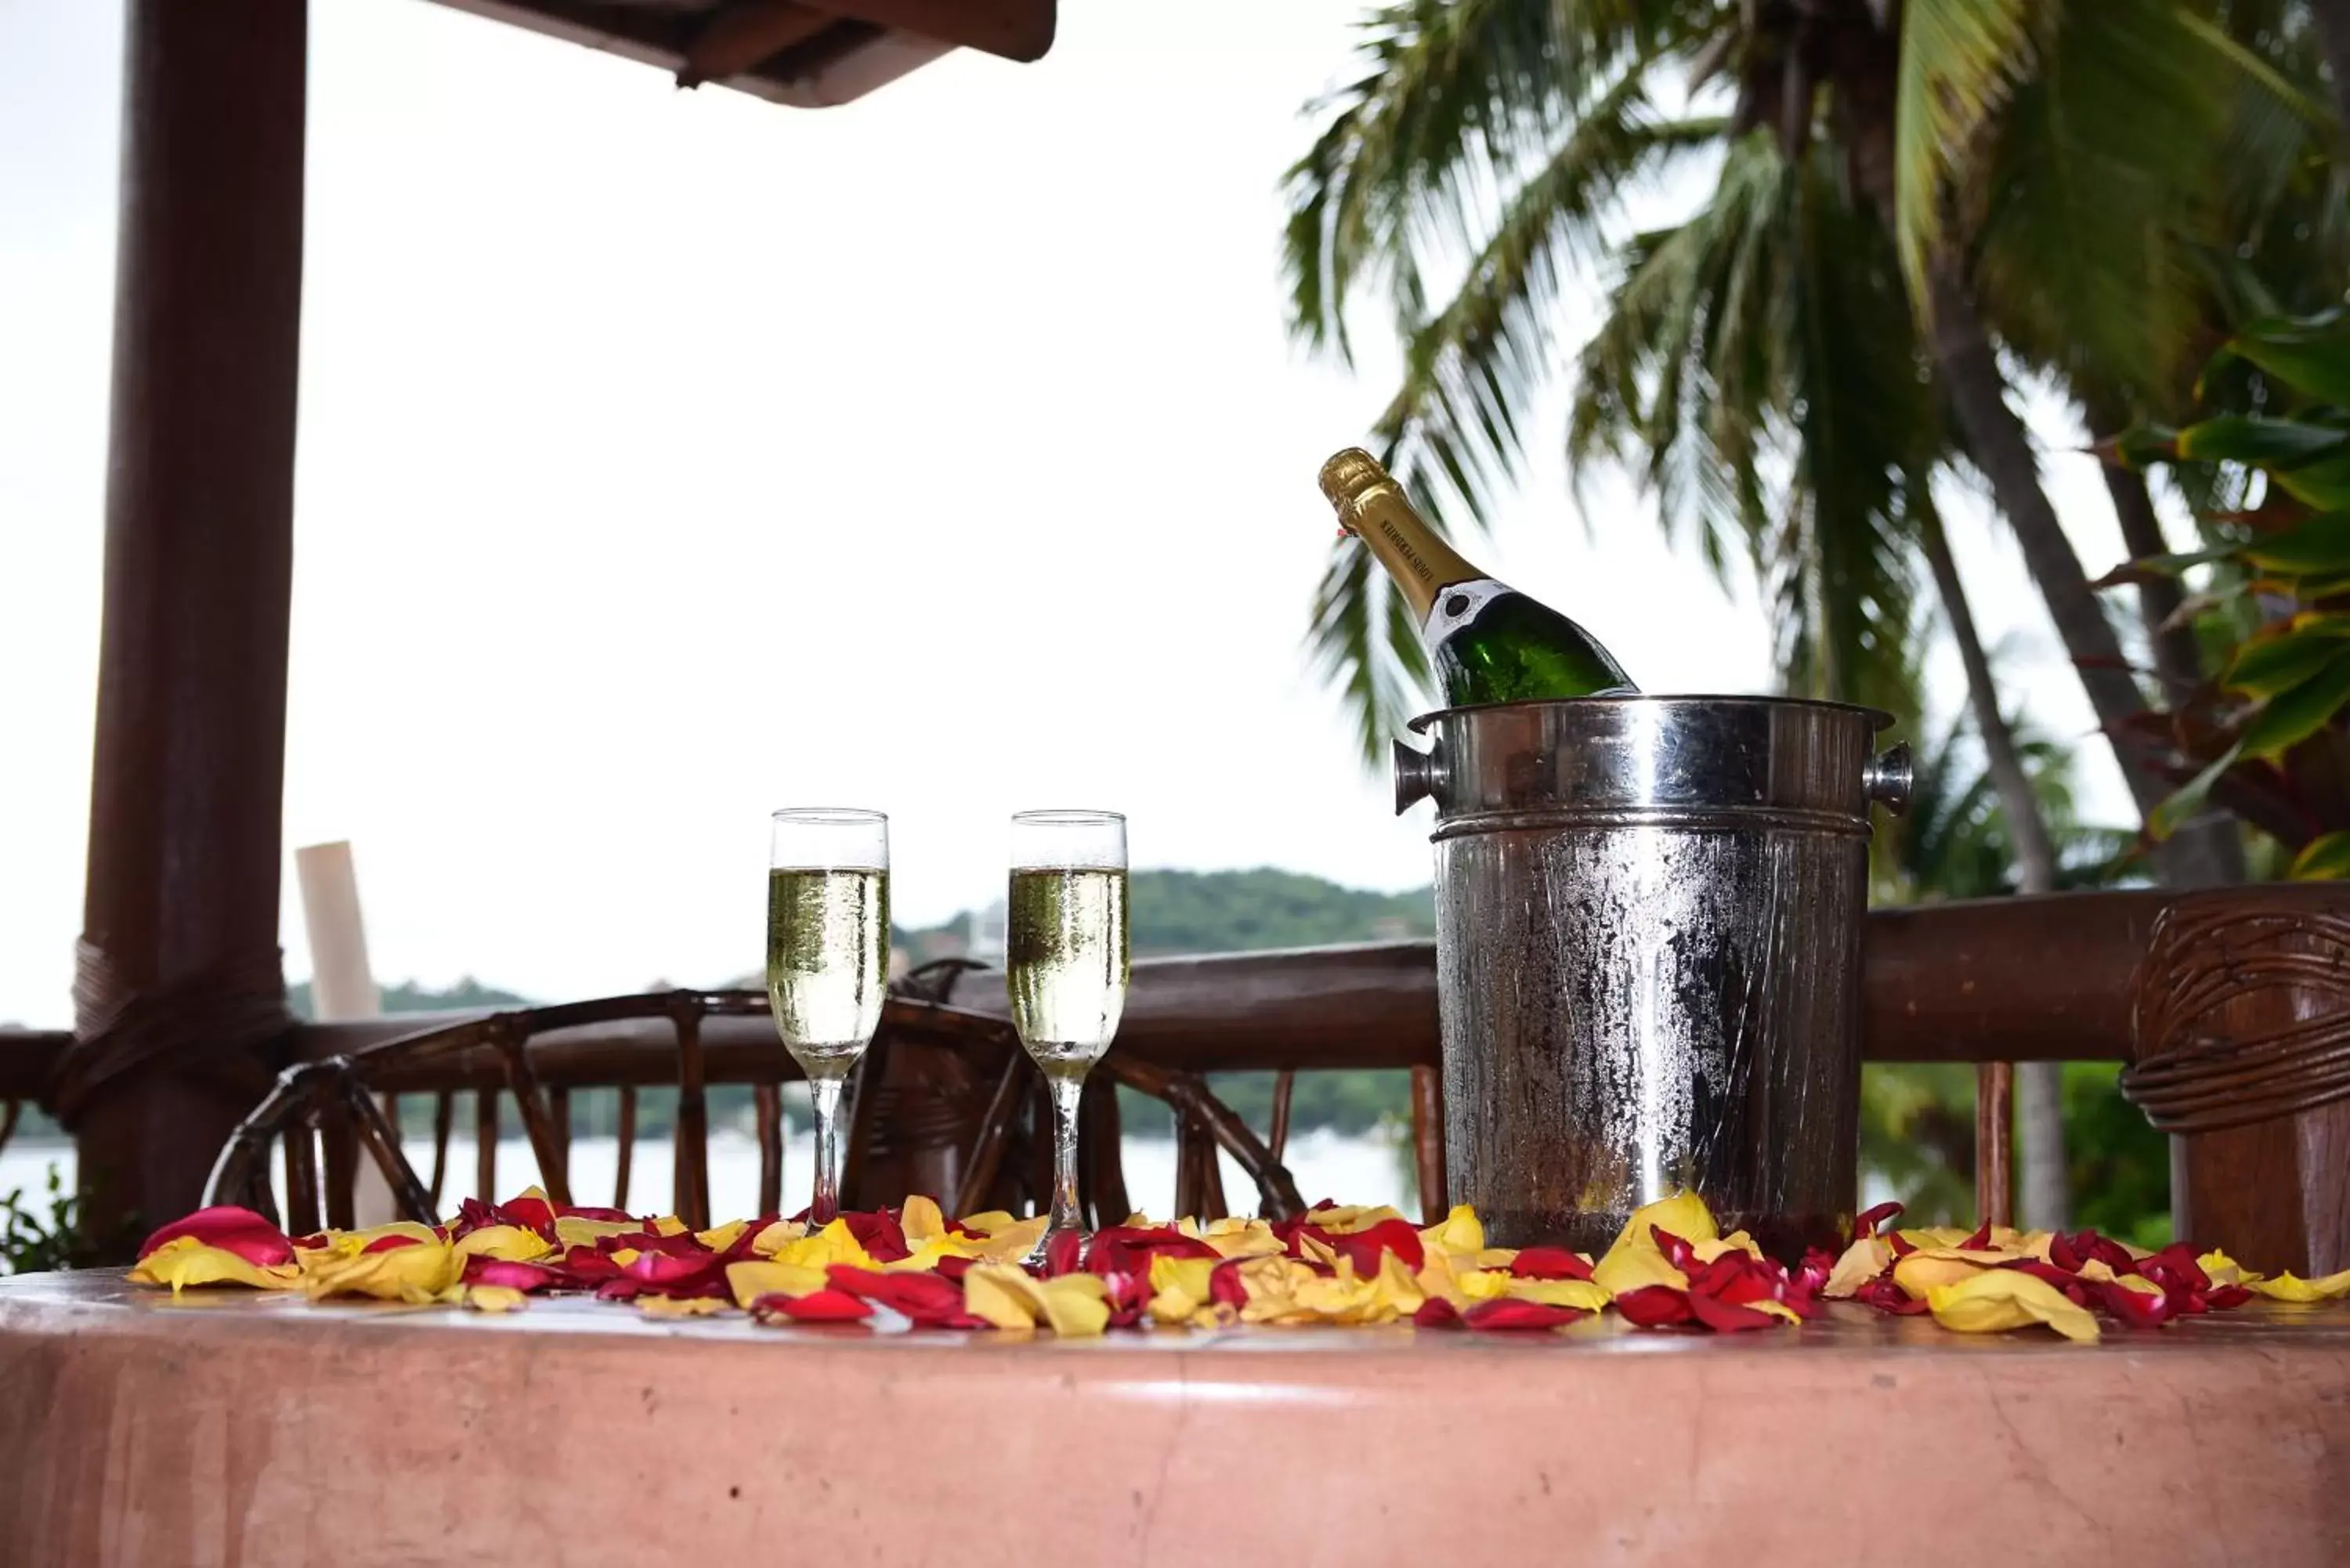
{"points": [[1457, 604]]}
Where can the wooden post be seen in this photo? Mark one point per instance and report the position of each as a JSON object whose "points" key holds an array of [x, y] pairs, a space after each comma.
{"points": [[2242, 1023], [180, 989]]}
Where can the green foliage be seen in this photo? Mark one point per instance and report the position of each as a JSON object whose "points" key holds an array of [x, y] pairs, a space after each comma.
{"points": [[1917, 1134], [2267, 737], [36, 1237], [2108, 178], [2119, 1166]]}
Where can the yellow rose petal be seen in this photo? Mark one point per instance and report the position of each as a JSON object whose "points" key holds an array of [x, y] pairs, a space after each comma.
{"points": [[184, 1262], [493, 1298], [921, 1220], [750, 1279], [1241, 1238], [1189, 1276], [1462, 1232], [573, 1232], [721, 1237], [506, 1244], [417, 1274], [836, 1244], [1073, 1305], [1582, 1294], [680, 1306], [1862, 1262], [2223, 1269], [1736, 1242], [2286, 1287], [1921, 1274], [771, 1239], [1010, 1243], [1999, 1299]]}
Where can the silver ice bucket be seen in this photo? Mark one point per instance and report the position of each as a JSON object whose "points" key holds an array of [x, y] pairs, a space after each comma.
{"points": [[1647, 934]]}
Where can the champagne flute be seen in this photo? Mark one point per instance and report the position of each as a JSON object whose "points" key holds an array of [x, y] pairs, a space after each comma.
{"points": [[828, 958], [1065, 965]]}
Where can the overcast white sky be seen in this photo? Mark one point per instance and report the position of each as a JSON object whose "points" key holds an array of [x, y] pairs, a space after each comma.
{"points": [[666, 457]]}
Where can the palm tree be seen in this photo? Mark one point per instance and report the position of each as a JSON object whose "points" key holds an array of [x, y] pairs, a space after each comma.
{"points": [[1760, 362], [1496, 135]]}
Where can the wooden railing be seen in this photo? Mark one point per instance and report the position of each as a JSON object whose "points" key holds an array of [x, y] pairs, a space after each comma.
{"points": [[2071, 977]]}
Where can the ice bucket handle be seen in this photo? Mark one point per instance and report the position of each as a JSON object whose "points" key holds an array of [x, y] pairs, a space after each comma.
{"points": [[1417, 774], [1885, 780]]}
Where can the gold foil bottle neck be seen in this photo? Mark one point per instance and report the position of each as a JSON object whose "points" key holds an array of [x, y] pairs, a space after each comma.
{"points": [[1349, 474]]}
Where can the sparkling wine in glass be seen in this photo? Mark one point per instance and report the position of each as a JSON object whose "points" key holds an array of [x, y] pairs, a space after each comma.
{"points": [[828, 958], [1066, 959]]}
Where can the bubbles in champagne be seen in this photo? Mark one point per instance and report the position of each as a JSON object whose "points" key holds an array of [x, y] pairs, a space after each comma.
{"points": [[1066, 962], [827, 963]]}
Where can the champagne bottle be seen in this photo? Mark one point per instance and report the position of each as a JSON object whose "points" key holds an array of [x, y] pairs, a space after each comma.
{"points": [[1490, 643]]}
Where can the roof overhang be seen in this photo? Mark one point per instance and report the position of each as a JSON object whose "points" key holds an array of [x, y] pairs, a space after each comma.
{"points": [[805, 53]]}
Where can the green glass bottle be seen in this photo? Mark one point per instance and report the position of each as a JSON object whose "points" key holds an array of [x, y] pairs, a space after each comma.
{"points": [[1489, 642]]}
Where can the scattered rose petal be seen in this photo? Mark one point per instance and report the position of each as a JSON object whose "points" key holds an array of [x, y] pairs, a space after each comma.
{"points": [[1999, 1299], [826, 1305], [1869, 1256], [182, 1262], [494, 1298], [507, 1243], [500, 1274], [924, 1300], [1508, 1314], [750, 1279], [1063, 1253], [2286, 1287], [238, 1232], [1549, 1263], [1655, 1306], [1726, 1317]]}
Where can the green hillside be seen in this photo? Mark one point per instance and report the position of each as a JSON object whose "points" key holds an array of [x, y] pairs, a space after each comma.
{"points": [[1176, 912]]}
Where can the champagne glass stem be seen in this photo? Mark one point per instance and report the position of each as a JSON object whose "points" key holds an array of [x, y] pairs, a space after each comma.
{"points": [[1067, 1092], [824, 1103]]}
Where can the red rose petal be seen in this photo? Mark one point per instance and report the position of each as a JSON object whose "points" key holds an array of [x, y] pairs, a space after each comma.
{"points": [[925, 1300], [482, 1271], [1437, 1313], [1128, 1249], [2139, 1309], [232, 1229], [878, 1234], [1062, 1253], [1225, 1286], [389, 1243], [1364, 1247], [1655, 1306], [1549, 1263], [1866, 1222], [1885, 1296], [1504, 1312], [815, 1307], [1725, 1317], [1678, 1253]]}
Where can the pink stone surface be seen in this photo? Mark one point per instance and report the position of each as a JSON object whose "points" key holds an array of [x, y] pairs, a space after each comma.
{"points": [[239, 1429]]}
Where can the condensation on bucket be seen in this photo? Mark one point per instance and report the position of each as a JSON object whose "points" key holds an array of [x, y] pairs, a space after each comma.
{"points": [[1649, 917], [1633, 1012]]}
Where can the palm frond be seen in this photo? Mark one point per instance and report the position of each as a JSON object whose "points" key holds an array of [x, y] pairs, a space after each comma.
{"points": [[1959, 61], [2109, 154], [1365, 643]]}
